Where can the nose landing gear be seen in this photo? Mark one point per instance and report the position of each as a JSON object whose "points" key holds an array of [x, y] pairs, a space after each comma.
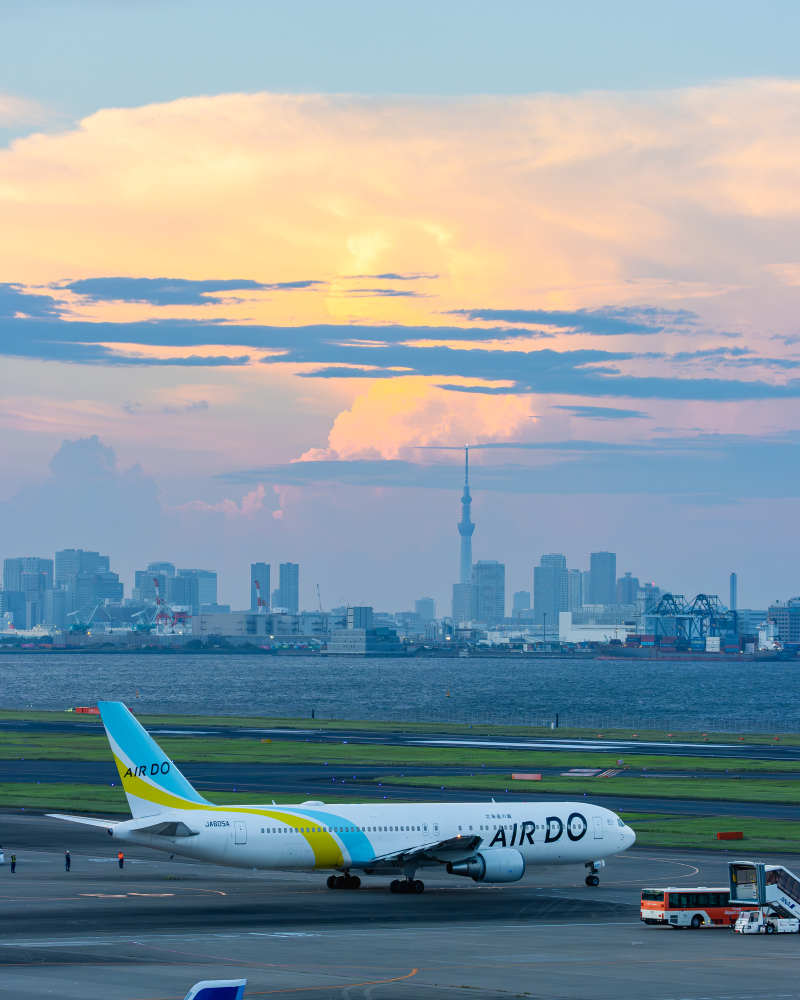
{"points": [[592, 878], [346, 881], [407, 886]]}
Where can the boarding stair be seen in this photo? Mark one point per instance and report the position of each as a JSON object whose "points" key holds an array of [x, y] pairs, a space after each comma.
{"points": [[765, 885]]}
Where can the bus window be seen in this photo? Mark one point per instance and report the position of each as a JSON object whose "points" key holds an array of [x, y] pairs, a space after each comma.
{"points": [[702, 899], [653, 895]]}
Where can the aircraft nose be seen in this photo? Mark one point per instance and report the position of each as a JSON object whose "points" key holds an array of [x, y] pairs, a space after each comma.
{"points": [[630, 837]]}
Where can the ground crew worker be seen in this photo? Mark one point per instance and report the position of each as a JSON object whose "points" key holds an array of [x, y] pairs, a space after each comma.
{"points": [[121, 859], [67, 861], [13, 863]]}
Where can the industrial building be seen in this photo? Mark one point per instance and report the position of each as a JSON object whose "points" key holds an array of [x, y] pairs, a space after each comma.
{"points": [[785, 617]]}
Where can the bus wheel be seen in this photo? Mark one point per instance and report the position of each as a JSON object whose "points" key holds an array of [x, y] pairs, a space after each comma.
{"points": [[697, 921], [592, 880]]}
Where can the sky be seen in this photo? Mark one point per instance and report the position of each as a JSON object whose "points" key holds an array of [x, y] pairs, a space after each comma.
{"points": [[265, 269]]}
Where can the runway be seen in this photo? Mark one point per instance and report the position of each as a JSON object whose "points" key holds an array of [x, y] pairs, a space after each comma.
{"points": [[522, 743], [156, 927]]}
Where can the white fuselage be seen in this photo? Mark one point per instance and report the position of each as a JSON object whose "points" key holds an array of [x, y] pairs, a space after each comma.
{"points": [[372, 837]]}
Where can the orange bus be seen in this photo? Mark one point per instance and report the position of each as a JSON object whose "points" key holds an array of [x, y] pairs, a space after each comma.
{"points": [[683, 907]]}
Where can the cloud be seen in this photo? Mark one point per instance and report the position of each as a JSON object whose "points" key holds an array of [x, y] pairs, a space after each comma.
{"points": [[602, 412], [15, 301], [393, 417], [601, 322], [392, 276], [173, 291], [387, 293]]}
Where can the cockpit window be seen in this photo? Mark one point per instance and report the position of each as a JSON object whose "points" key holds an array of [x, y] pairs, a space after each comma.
{"points": [[620, 822]]}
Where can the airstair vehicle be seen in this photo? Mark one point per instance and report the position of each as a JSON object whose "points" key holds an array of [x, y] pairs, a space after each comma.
{"points": [[776, 892]]}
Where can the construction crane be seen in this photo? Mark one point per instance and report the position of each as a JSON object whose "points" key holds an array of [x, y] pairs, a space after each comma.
{"points": [[167, 618], [263, 608], [319, 600], [83, 622]]}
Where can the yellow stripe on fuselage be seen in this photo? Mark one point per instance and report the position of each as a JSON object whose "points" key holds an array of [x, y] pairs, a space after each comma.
{"points": [[327, 850]]}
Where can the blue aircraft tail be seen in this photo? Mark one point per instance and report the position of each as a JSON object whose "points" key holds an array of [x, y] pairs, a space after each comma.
{"points": [[217, 989]]}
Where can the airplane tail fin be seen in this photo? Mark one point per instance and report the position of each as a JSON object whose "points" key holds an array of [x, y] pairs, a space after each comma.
{"points": [[151, 781], [217, 989]]}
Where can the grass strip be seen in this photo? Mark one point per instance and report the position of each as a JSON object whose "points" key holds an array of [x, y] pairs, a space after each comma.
{"points": [[720, 790], [459, 729], [701, 833]]}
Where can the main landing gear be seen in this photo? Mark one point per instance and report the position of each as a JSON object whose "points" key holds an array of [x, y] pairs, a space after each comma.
{"points": [[407, 886], [346, 881]]}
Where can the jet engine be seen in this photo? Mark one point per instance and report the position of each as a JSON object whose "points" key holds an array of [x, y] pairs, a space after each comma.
{"points": [[502, 865]]}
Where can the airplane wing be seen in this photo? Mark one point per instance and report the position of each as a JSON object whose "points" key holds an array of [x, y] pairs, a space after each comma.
{"points": [[431, 852], [85, 820]]}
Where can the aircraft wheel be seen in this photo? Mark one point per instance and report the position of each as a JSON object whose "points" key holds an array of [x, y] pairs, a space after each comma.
{"points": [[394, 885], [341, 882], [592, 880], [697, 921], [418, 886], [354, 882], [331, 882]]}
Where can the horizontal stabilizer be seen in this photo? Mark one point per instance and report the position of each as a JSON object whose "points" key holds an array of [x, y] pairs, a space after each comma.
{"points": [[85, 820], [217, 989]]}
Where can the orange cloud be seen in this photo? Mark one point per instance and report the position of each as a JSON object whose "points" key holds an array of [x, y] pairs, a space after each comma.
{"points": [[398, 416], [546, 200]]}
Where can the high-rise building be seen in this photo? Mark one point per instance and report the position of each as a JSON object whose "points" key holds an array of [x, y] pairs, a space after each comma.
{"points": [[521, 602], [14, 569], [259, 572], [464, 607], [550, 591], [183, 591], [287, 594], [206, 585], [165, 568], [71, 562], [627, 589], [489, 581], [425, 607], [646, 597], [574, 589], [31, 576], [55, 609], [602, 578], [86, 576], [733, 596], [464, 603]]}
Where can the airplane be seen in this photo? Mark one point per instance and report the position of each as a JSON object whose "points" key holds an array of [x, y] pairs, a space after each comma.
{"points": [[488, 842]]}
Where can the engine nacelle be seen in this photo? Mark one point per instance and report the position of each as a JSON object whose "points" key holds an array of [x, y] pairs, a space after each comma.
{"points": [[503, 865]]}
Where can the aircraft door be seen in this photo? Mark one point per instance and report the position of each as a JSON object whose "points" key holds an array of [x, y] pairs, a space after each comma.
{"points": [[598, 827], [241, 831]]}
